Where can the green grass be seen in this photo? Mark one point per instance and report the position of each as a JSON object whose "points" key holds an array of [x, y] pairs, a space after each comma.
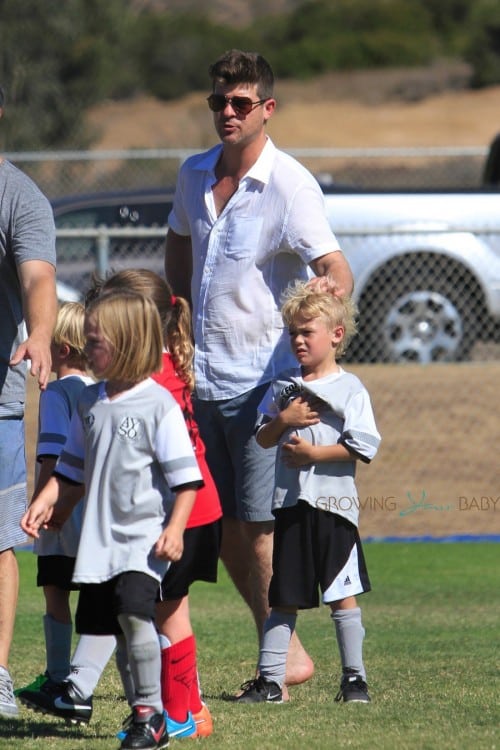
{"points": [[431, 652]]}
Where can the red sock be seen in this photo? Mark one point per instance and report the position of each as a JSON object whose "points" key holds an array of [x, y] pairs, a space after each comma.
{"points": [[195, 699], [178, 673]]}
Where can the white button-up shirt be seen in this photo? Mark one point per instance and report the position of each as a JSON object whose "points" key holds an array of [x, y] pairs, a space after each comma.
{"points": [[243, 259]]}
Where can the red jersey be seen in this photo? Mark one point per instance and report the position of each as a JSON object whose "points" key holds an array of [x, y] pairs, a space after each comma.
{"points": [[207, 507]]}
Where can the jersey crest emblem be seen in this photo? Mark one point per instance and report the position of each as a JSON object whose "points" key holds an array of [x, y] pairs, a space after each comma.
{"points": [[130, 428]]}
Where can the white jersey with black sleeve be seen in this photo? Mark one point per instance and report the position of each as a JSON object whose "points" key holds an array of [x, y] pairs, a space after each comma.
{"points": [[346, 417], [131, 452]]}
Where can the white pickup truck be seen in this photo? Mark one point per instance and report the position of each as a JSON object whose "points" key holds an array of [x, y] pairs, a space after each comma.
{"points": [[426, 264], [426, 268]]}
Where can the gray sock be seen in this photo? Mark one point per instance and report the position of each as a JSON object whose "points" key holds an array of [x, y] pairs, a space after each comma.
{"points": [[89, 660], [123, 666], [350, 634], [143, 650], [278, 629], [58, 647]]}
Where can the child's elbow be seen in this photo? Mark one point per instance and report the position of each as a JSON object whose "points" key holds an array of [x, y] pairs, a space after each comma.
{"points": [[263, 439]]}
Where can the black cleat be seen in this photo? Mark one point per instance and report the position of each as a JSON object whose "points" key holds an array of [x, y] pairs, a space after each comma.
{"points": [[353, 689], [260, 690], [58, 700], [147, 730]]}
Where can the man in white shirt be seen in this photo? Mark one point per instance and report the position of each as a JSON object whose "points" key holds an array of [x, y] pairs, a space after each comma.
{"points": [[247, 220]]}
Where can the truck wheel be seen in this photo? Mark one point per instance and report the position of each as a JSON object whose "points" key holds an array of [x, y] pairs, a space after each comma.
{"points": [[423, 326], [429, 315]]}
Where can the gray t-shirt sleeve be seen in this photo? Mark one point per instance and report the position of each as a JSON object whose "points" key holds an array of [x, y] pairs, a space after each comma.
{"points": [[32, 234], [27, 232]]}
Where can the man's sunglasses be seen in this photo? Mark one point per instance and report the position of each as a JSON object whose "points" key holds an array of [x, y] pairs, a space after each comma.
{"points": [[242, 105]]}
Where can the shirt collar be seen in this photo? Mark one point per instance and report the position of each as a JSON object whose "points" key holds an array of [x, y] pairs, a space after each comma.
{"points": [[260, 171]]}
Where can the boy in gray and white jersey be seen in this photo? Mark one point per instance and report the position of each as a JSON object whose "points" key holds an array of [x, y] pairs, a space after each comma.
{"points": [[346, 418], [321, 419]]}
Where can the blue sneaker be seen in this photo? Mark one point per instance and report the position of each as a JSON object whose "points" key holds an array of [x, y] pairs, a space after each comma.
{"points": [[174, 728], [180, 729]]}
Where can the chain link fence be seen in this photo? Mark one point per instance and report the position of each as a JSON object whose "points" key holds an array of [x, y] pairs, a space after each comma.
{"points": [[68, 172], [428, 346]]}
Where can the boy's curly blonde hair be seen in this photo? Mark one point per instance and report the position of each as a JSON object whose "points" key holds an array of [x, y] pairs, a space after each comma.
{"points": [[302, 299]]}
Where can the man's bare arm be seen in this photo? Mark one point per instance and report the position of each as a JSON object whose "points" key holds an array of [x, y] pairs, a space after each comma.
{"points": [[38, 287], [179, 263]]}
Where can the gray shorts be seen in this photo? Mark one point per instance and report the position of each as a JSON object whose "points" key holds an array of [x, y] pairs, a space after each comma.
{"points": [[13, 492], [242, 470]]}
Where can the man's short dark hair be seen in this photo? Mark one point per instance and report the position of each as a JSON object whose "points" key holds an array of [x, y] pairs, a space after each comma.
{"points": [[2, 96], [235, 66]]}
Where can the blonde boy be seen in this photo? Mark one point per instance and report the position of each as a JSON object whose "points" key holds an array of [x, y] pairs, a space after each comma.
{"points": [[321, 419], [57, 550]]}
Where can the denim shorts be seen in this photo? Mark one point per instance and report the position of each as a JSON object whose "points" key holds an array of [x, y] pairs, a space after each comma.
{"points": [[13, 492], [242, 470]]}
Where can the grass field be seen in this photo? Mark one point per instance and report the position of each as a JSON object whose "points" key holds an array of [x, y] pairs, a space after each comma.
{"points": [[431, 651]]}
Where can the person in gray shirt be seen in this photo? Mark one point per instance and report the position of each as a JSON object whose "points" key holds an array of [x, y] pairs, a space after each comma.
{"points": [[28, 308]]}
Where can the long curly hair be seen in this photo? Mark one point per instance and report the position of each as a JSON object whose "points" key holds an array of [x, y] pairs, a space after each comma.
{"points": [[175, 313]]}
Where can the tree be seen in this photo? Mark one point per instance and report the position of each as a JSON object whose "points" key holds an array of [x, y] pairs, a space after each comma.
{"points": [[56, 59], [483, 51]]}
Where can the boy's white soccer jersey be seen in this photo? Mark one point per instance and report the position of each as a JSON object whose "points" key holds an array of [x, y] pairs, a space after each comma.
{"points": [[130, 452], [346, 417], [57, 404]]}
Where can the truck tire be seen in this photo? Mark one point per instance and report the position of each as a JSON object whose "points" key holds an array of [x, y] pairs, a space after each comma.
{"points": [[429, 314]]}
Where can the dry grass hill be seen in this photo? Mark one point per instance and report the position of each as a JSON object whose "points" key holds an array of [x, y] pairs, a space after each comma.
{"points": [[416, 107]]}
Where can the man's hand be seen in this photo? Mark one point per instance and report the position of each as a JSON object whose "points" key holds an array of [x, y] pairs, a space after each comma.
{"points": [[333, 274], [35, 349], [38, 287]]}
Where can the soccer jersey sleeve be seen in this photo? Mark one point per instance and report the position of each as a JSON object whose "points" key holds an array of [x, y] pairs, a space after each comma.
{"points": [[174, 450], [54, 419], [360, 433], [71, 461]]}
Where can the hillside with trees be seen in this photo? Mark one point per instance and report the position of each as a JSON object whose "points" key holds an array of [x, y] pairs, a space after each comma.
{"points": [[58, 59]]}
